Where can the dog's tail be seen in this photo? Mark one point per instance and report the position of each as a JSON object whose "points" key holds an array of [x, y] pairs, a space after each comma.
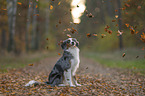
{"points": [[33, 82]]}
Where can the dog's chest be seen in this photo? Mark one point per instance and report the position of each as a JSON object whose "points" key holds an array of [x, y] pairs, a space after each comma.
{"points": [[75, 61]]}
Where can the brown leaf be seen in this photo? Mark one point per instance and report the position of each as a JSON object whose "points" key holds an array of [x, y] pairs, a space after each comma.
{"points": [[123, 54], [68, 35], [143, 37], [30, 64], [88, 35]]}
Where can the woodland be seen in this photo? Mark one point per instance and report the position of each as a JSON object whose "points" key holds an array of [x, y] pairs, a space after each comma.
{"points": [[111, 35]]}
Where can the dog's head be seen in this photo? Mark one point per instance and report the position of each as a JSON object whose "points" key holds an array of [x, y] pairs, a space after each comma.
{"points": [[70, 42]]}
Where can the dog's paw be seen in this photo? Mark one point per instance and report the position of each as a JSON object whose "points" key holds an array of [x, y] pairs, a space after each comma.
{"points": [[61, 85], [72, 85], [78, 85]]}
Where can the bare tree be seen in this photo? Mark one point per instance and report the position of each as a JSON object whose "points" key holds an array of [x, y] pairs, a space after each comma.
{"points": [[120, 24], [12, 9], [28, 24]]}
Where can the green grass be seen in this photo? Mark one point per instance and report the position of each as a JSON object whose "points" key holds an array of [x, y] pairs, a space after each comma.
{"points": [[11, 61], [115, 59]]}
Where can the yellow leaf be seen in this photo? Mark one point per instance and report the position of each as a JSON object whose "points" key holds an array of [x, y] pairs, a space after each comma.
{"points": [[51, 7], [59, 3], [116, 16], [36, 6]]}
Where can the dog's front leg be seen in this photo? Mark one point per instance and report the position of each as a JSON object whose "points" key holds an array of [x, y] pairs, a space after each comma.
{"points": [[75, 81], [68, 77]]}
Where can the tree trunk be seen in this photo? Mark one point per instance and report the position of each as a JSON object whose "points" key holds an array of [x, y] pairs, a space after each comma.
{"points": [[3, 38], [120, 24], [28, 25], [34, 26], [12, 8]]}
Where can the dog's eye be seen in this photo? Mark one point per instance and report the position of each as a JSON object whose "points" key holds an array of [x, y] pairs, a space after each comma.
{"points": [[68, 41]]}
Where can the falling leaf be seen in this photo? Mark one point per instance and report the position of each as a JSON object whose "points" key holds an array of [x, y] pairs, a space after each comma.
{"points": [[88, 35], [90, 15], [109, 31], [51, 7], [69, 29], [73, 30], [113, 20], [68, 35], [59, 3], [116, 10], [136, 32], [127, 25], [56, 25], [47, 39], [19, 3], [119, 33], [123, 54], [59, 54], [139, 7], [103, 35], [36, 14], [137, 56], [143, 37], [70, 9], [95, 35], [36, 6], [116, 16], [127, 5], [59, 21], [30, 64], [132, 30], [4, 9], [126, 13], [77, 5], [47, 47]]}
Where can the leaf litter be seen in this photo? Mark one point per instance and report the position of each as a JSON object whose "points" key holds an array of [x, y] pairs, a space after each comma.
{"points": [[95, 80]]}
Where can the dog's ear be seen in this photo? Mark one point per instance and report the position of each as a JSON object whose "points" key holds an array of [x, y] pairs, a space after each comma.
{"points": [[63, 45], [77, 44]]}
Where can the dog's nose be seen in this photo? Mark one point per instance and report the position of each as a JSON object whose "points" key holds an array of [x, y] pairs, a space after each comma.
{"points": [[72, 43]]}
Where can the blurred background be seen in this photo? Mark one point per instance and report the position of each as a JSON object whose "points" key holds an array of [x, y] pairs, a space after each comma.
{"points": [[110, 31]]}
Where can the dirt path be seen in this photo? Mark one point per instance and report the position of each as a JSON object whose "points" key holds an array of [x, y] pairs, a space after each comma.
{"points": [[95, 80]]}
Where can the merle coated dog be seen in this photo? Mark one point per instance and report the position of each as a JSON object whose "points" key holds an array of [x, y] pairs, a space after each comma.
{"points": [[64, 71]]}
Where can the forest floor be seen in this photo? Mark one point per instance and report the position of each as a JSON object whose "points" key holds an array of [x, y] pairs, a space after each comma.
{"points": [[94, 78]]}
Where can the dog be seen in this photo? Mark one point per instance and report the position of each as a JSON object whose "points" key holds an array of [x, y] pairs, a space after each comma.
{"points": [[64, 71]]}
